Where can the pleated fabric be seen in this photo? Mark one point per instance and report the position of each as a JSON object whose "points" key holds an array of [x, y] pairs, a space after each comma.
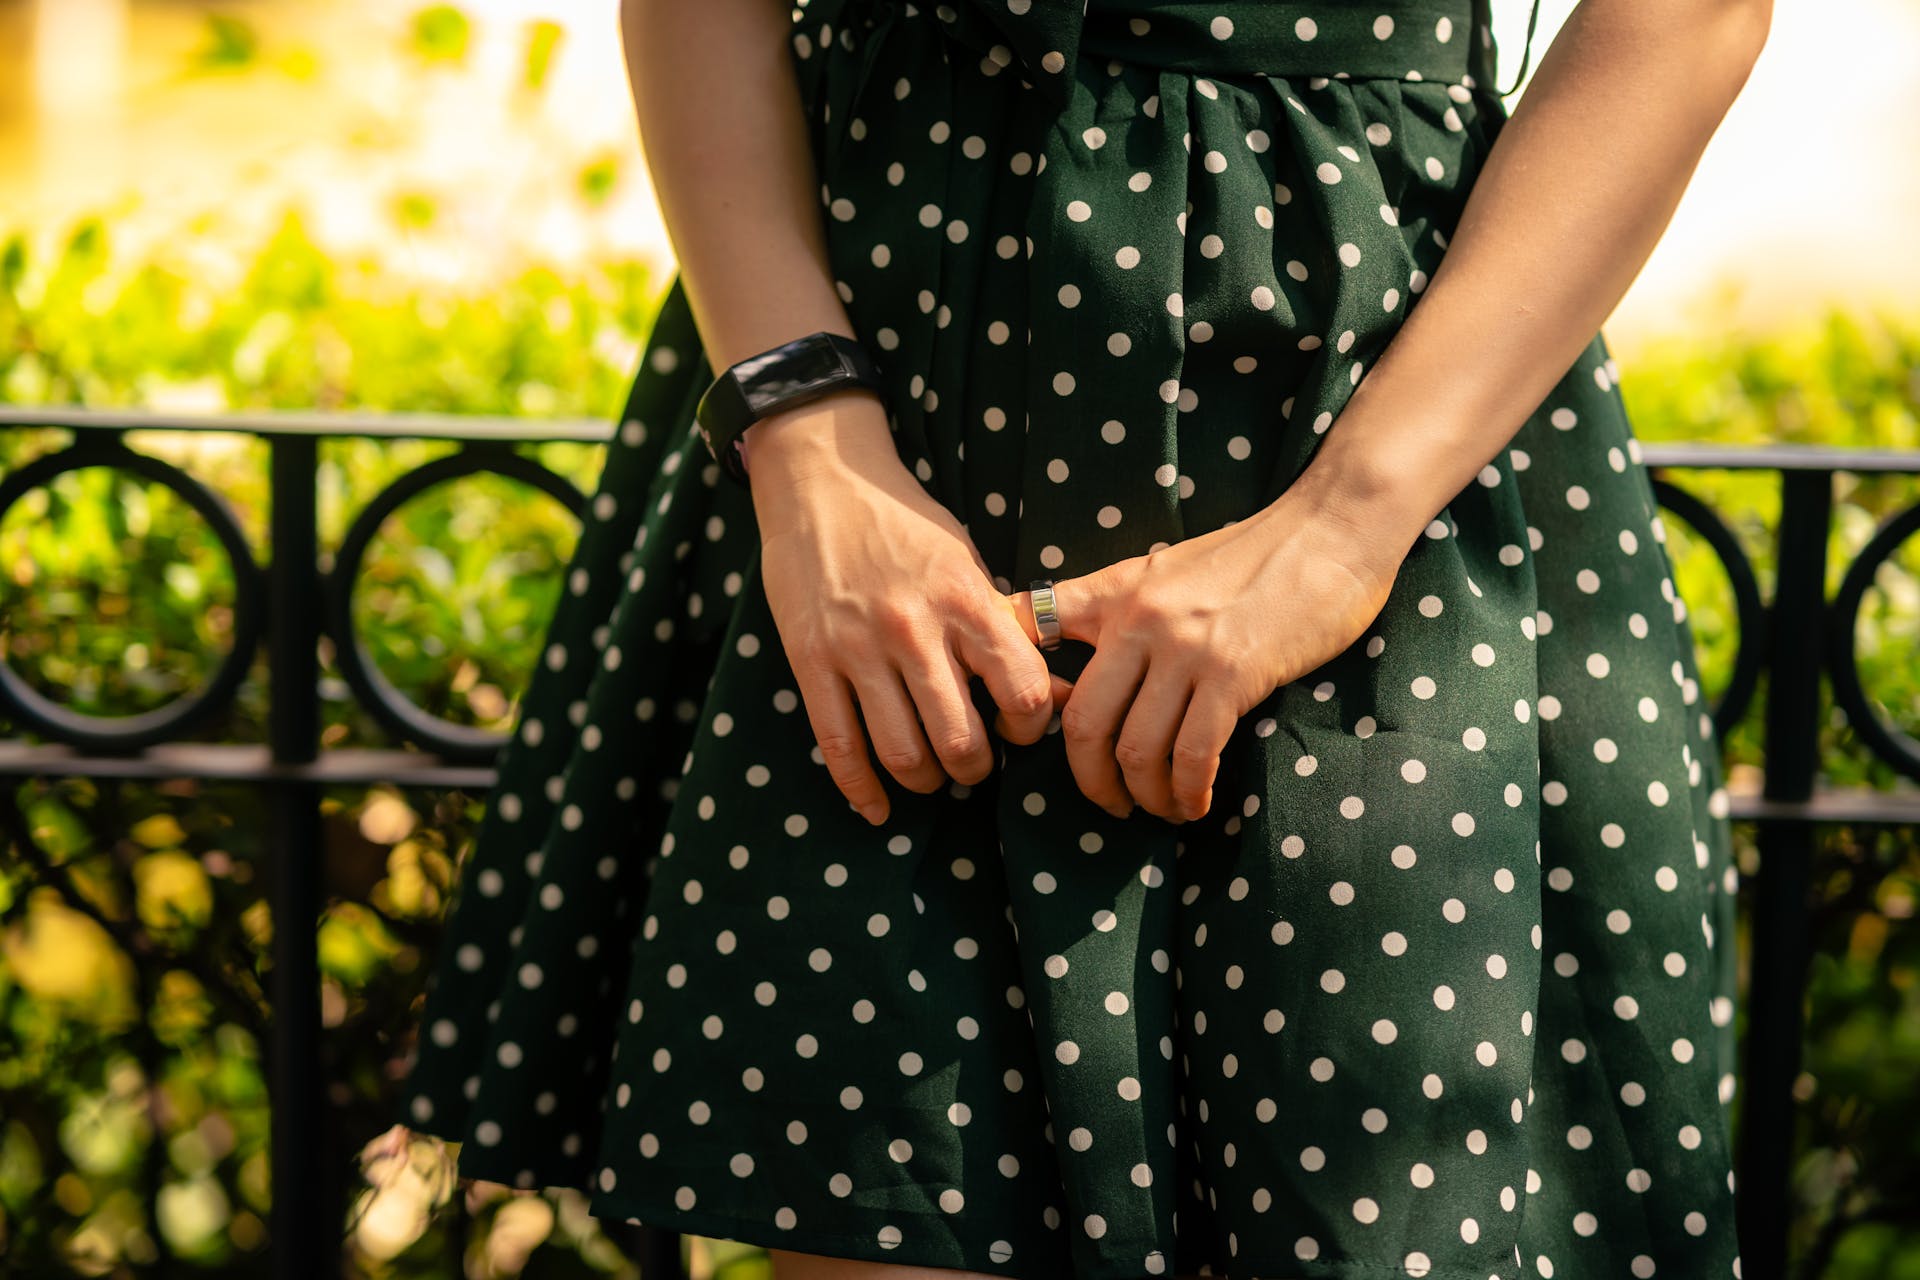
{"points": [[1443, 982]]}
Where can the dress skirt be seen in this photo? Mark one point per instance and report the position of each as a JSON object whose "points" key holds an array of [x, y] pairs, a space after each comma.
{"points": [[1443, 982]]}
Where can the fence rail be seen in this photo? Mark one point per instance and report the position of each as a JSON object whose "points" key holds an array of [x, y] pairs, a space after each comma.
{"points": [[289, 603]]}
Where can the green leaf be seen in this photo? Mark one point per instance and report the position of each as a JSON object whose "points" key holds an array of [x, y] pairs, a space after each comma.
{"points": [[231, 44], [598, 180], [442, 33], [543, 41]]}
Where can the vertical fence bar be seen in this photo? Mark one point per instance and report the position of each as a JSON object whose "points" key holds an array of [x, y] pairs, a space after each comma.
{"points": [[655, 1250], [305, 1217], [1779, 929]]}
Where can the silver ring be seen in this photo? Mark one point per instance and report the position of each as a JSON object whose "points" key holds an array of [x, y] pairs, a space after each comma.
{"points": [[1046, 619]]}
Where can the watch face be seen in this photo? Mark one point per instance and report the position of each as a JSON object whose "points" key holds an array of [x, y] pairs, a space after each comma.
{"points": [[798, 366]]}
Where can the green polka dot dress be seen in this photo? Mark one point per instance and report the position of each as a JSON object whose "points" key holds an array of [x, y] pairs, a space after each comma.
{"points": [[1441, 985]]}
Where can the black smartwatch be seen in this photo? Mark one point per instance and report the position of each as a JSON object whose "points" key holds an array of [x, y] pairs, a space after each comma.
{"points": [[759, 386]]}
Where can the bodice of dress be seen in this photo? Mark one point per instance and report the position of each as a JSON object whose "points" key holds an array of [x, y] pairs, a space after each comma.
{"points": [[1252, 192], [1040, 41]]}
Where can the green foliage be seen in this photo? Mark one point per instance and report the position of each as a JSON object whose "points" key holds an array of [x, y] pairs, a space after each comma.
{"points": [[116, 597], [231, 44], [441, 33], [132, 1091], [543, 42], [598, 180], [297, 329], [1843, 381], [133, 1116]]}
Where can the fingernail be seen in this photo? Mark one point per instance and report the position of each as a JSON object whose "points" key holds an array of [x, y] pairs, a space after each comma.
{"points": [[874, 813]]}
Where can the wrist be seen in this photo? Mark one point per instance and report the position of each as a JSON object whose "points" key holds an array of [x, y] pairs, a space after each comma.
{"points": [[1376, 513], [795, 454], [834, 428]]}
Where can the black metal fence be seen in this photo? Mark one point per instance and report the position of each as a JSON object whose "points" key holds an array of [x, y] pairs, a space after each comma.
{"points": [[291, 602]]}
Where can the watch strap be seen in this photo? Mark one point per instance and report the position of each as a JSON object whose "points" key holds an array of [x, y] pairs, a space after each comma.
{"points": [[792, 373]]}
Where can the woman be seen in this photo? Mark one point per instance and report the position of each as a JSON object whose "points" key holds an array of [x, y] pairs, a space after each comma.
{"points": [[1347, 887]]}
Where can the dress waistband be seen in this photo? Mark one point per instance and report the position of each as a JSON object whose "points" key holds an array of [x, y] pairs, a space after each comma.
{"points": [[1396, 39], [1041, 40]]}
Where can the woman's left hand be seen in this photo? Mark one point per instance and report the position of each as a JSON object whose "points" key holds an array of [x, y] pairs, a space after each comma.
{"points": [[1189, 638]]}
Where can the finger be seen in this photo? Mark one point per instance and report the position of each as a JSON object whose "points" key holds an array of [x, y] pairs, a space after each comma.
{"points": [[1015, 674], [843, 744], [1061, 689], [1147, 736], [948, 718], [898, 742], [1082, 603], [1019, 607], [1090, 723], [1211, 717], [1021, 603]]}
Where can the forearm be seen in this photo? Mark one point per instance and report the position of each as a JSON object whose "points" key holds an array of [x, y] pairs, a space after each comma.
{"points": [[1575, 193], [725, 139]]}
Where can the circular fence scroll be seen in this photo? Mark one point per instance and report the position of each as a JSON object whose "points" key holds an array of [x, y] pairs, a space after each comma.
{"points": [[398, 714], [1749, 612], [116, 734], [1883, 738]]}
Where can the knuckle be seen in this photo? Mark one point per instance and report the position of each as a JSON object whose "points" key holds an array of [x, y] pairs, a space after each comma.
{"points": [[1234, 667], [1191, 755], [895, 618], [840, 751], [958, 746], [1030, 697], [1132, 754], [956, 593], [1150, 611], [1076, 725], [1182, 641], [901, 759]]}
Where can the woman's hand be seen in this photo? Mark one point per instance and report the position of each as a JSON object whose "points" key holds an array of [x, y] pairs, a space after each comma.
{"points": [[880, 597], [1189, 638]]}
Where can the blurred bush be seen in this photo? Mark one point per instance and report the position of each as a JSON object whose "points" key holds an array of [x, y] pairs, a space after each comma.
{"points": [[133, 930]]}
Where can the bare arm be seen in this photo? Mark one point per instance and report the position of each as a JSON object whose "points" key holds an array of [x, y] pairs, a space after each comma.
{"points": [[726, 146], [879, 595], [1577, 189]]}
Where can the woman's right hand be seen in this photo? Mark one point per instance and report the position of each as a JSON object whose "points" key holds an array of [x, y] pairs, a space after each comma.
{"points": [[881, 598]]}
